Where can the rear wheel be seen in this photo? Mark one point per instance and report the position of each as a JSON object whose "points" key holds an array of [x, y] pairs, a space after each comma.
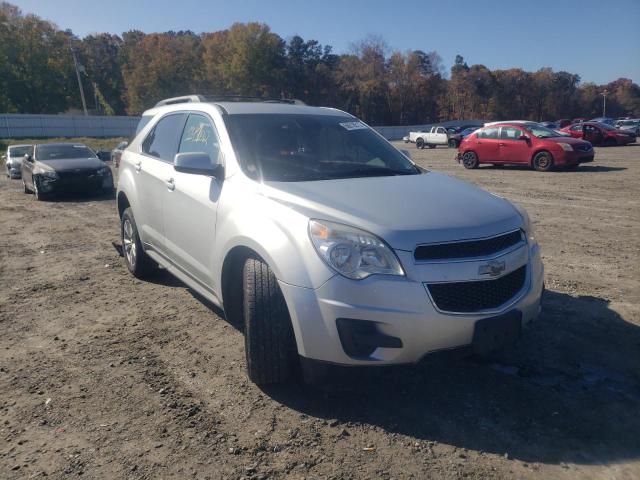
{"points": [[136, 259], [270, 345], [419, 143], [543, 161], [470, 160]]}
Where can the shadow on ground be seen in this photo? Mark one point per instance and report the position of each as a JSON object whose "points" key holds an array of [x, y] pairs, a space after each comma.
{"points": [[569, 391]]}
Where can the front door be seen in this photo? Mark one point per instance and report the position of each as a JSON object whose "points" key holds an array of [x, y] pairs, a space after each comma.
{"points": [[487, 145], [512, 148], [593, 134], [153, 168], [190, 205]]}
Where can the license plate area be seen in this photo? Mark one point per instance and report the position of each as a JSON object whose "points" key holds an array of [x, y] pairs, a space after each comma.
{"points": [[493, 333]]}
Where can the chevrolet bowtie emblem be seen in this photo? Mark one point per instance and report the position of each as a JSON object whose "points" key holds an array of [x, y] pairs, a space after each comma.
{"points": [[493, 268]]}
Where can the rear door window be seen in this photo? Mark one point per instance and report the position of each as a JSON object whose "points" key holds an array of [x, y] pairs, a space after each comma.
{"points": [[162, 141], [489, 133]]}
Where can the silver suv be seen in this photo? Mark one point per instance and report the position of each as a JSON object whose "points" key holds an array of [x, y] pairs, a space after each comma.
{"points": [[326, 242]]}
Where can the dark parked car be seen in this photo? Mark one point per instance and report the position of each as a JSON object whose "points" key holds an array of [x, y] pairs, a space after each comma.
{"points": [[456, 138], [64, 168], [605, 120], [600, 134]]}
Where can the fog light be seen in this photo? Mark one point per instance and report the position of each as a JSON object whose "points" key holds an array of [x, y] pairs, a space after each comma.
{"points": [[360, 338]]}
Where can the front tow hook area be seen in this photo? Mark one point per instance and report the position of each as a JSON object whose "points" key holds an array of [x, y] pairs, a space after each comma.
{"points": [[360, 338]]}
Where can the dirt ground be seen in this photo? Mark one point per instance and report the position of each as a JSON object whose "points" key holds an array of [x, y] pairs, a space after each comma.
{"points": [[106, 376]]}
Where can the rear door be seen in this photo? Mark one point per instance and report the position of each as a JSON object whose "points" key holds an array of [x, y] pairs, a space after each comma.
{"points": [[190, 204], [153, 169], [512, 149], [576, 131], [487, 145]]}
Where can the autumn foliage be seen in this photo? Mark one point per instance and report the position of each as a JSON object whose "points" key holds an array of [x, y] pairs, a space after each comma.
{"points": [[129, 73]]}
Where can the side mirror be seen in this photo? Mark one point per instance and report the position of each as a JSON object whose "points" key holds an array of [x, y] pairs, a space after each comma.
{"points": [[197, 163], [524, 137], [27, 157]]}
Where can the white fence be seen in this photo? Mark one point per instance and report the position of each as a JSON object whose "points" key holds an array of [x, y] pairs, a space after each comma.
{"points": [[42, 126], [47, 126]]}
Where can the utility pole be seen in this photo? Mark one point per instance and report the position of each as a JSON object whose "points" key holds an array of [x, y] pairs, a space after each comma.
{"points": [[75, 64], [604, 102]]}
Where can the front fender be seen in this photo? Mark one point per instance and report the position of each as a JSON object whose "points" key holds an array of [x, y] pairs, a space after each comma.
{"points": [[277, 233]]}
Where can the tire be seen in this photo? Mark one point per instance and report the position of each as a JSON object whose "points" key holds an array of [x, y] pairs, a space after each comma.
{"points": [[543, 161], [135, 258], [453, 143], [270, 345], [419, 143], [431, 146], [610, 142], [470, 160]]}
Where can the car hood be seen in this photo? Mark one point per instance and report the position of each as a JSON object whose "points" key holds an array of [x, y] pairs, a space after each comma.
{"points": [[405, 210], [65, 164]]}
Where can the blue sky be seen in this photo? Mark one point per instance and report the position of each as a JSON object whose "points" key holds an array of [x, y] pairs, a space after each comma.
{"points": [[597, 39]]}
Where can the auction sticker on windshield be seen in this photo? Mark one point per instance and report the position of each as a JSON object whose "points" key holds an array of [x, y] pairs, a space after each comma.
{"points": [[353, 125]]}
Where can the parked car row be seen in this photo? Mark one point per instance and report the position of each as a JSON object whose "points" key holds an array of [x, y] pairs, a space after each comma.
{"points": [[58, 168]]}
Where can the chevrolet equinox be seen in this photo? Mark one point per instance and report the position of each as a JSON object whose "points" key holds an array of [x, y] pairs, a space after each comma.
{"points": [[328, 244]]}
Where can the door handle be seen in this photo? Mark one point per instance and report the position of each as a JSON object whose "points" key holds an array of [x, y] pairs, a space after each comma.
{"points": [[502, 144], [171, 184], [138, 166]]}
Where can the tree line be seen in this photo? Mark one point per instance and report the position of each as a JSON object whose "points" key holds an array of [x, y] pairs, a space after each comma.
{"points": [[129, 73]]}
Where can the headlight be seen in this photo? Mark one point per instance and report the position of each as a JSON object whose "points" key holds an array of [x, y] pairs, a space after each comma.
{"points": [[566, 147], [352, 252], [49, 175], [528, 227], [104, 171]]}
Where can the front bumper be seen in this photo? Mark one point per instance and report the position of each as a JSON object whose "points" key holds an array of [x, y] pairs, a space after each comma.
{"points": [[575, 157], [400, 308], [76, 183], [14, 171]]}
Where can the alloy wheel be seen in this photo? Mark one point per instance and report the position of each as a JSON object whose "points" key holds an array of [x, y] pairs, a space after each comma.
{"points": [[129, 242]]}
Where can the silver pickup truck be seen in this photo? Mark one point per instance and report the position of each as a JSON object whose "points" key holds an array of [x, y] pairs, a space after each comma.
{"points": [[431, 138]]}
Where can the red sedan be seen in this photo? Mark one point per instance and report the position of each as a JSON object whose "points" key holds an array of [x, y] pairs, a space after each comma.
{"points": [[600, 134], [523, 143]]}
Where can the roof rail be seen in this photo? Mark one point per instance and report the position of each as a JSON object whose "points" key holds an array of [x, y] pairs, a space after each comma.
{"points": [[183, 99], [196, 98]]}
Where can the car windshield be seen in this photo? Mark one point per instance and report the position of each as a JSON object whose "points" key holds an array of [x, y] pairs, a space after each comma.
{"points": [[56, 152], [16, 152], [542, 132], [296, 148], [629, 123]]}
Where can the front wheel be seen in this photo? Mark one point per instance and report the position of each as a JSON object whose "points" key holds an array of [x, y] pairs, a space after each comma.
{"points": [[37, 194], [470, 160], [543, 161], [136, 259], [270, 345]]}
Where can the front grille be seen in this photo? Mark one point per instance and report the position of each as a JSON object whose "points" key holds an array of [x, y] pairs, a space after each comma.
{"points": [[478, 295], [468, 248]]}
